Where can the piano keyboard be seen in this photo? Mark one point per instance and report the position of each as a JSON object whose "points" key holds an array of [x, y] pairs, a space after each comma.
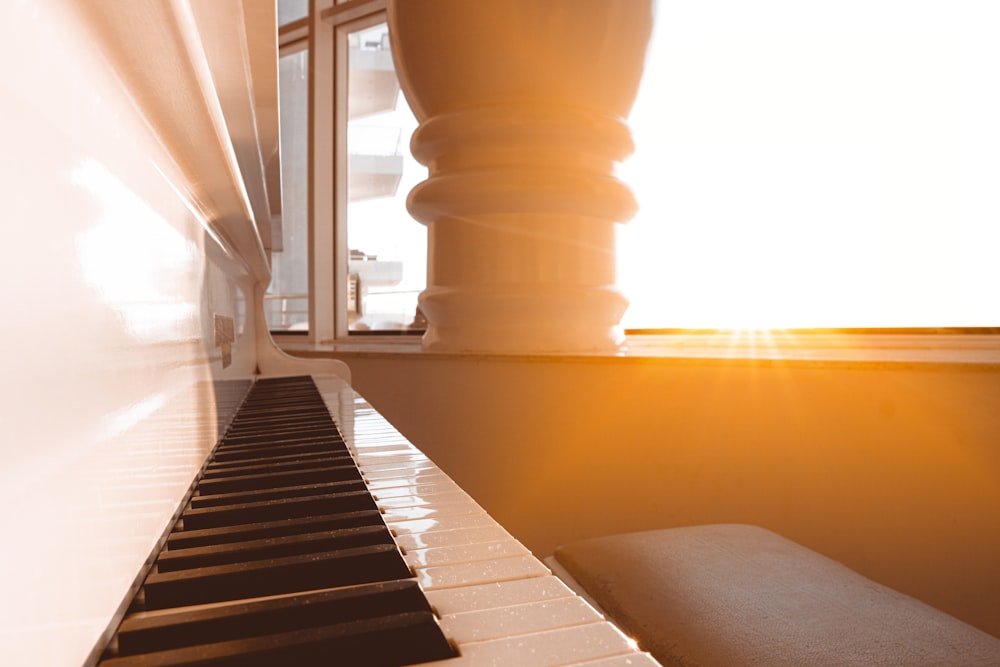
{"points": [[305, 544]]}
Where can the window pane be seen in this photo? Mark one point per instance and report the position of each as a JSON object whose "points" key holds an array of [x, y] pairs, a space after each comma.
{"points": [[388, 263], [292, 10], [286, 301], [816, 165]]}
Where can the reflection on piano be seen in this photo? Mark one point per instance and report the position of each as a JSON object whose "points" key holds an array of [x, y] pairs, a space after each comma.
{"points": [[304, 543]]}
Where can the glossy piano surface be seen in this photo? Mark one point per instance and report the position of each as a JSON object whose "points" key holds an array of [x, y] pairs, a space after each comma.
{"points": [[302, 541], [127, 332], [497, 602], [279, 556], [110, 285]]}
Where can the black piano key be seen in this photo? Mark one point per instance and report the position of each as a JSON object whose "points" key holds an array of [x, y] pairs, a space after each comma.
{"points": [[282, 385], [218, 499], [298, 403], [294, 452], [223, 621], [333, 442], [262, 400], [272, 547], [184, 539], [289, 574], [252, 467], [281, 556], [390, 641], [248, 482], [284, 437], [276, 409], [278, 415], [286, 418], [281, 435], [281, 508]]}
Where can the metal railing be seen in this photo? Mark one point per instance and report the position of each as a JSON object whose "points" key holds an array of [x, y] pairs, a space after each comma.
{"points": [[282, 315]]}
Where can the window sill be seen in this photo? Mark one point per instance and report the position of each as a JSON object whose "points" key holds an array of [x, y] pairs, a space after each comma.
{"points": [[863, 350]]}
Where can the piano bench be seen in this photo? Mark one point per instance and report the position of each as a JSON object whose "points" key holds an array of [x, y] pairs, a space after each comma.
{"points": [[730, 595]]}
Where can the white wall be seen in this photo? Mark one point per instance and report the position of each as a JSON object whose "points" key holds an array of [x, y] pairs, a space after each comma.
{"points": [[893, 470]]}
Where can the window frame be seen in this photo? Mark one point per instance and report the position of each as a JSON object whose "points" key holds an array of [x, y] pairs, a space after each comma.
{"points": [[324, 33]]}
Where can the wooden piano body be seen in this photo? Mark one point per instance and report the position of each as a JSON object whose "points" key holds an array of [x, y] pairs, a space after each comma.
{"points": [[135, 147]]}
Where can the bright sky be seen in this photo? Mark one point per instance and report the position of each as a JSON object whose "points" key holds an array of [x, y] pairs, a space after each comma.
{"points": [[816, 164], [806, 164]]}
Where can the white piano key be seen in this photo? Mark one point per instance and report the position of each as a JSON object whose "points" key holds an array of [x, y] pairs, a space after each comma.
{"points": [[519, 619], [497, 594], [370, 429], [448, 538], [383, 452], [480, 572], [421, 490], [394, 515], [379, 442], [448, 522], [393, 483], [407, 472], [411, 462], [464, 553], [630, 660], [369, 418], [372, 423], [370, 434], [400, 462], [457, 498], [400, 502], [507, 610], [555, 648], [394, 468], [366, 457]]}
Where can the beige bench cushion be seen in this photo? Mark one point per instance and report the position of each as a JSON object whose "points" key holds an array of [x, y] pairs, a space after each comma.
{"points": [[731, 595]]}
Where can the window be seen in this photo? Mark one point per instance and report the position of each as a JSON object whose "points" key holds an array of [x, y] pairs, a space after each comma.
{"points": [[798, 165], [286, 302], [816, 165], [387, 249], [290, 11], [351, 260]]}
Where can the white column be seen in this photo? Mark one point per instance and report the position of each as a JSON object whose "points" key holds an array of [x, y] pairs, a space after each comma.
{"points": [[521, 105]]}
